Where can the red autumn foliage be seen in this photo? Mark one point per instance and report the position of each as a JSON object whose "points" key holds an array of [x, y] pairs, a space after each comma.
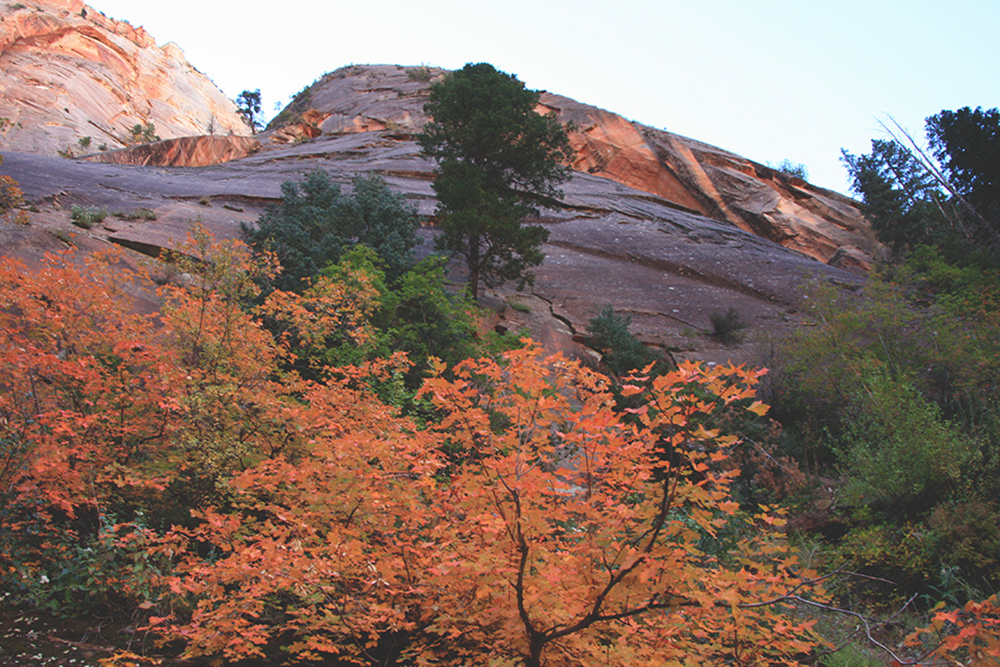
{"points": [[532, 523]]}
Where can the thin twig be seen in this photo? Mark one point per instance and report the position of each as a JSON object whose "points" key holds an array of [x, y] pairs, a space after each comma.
{"points": [[929, 165]]}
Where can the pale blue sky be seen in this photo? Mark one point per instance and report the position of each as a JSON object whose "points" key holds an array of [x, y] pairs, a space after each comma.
{"points": [[768, 79]]}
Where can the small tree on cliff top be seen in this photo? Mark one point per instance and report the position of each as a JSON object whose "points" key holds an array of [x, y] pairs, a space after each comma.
{"points": [[499, 159], [248, 107]]}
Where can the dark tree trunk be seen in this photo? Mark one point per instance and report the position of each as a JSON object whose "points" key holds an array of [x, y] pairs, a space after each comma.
{"points": [[474, 266]]}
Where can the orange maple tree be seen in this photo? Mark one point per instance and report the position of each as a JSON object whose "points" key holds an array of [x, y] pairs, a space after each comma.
{"points": [[252, 513], [567, 537], [555, 535], [969, 635]]}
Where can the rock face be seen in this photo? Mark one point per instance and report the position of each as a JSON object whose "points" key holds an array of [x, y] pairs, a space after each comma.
{"points": [[68, 73], [685, 173], [718, 184], [664, 229], [667, 268], [184, 152]]}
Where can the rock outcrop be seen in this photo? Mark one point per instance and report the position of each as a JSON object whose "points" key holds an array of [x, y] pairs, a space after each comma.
{"points": [[718, 184], [184, 152], [662, 228], [669, 269], [73, 80], [685, 173]]}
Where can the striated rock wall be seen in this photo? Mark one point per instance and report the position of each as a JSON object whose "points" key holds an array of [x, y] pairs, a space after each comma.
{"points": [[68, 72], [363, 98], [685, 173], [718, 184], [200, 151]]}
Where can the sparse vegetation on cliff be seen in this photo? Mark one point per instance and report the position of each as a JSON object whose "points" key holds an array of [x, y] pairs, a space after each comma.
{"points": [[299, 103], [422, 73], [11, 195], [728, 327], [142, 134], [86, 217], [796, 169], [248, 106]]}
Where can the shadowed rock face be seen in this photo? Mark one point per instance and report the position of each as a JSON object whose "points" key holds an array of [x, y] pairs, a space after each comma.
{"points": [[68, 72], [663, 228], [668, 268]]}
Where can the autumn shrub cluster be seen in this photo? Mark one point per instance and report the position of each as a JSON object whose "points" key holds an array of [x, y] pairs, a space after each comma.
{"points": [[175, 466], [11, 197], [895, 393]]}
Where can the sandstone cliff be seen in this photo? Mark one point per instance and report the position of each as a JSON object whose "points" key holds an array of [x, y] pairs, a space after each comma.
{"points": [[661, 227], [688, 174], [200, 151], [669, 269], [67, 72]]}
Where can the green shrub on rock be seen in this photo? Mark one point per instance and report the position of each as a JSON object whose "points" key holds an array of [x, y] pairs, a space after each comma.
{"points": [[316, 223]]}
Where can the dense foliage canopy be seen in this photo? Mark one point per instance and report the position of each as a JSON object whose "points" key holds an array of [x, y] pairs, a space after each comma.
{"points": [[316, 223], [170, 467], [953, 203]]}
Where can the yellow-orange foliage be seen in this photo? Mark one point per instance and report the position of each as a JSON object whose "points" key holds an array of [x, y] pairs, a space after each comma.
{"points": [[531, 523]]}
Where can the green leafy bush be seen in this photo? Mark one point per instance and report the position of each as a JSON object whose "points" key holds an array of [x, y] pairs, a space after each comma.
{"points": [[86, 218], [81, 574], [967, 535], [316, 223], [898, 451], [623, 352]]}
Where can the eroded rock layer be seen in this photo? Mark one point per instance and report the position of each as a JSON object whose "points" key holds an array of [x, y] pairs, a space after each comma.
{"points": [[183, 152], [668, 268], [662, 228], [73, 81]]}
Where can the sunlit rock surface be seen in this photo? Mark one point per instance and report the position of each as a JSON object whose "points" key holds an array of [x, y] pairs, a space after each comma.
{"points": [[691, 175], [73, 81]]}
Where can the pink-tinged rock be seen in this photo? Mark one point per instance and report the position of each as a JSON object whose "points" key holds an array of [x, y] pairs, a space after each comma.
{"points": [[184, 152], [68, 72], [608, 145], [687, 174], [714, 182]]}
